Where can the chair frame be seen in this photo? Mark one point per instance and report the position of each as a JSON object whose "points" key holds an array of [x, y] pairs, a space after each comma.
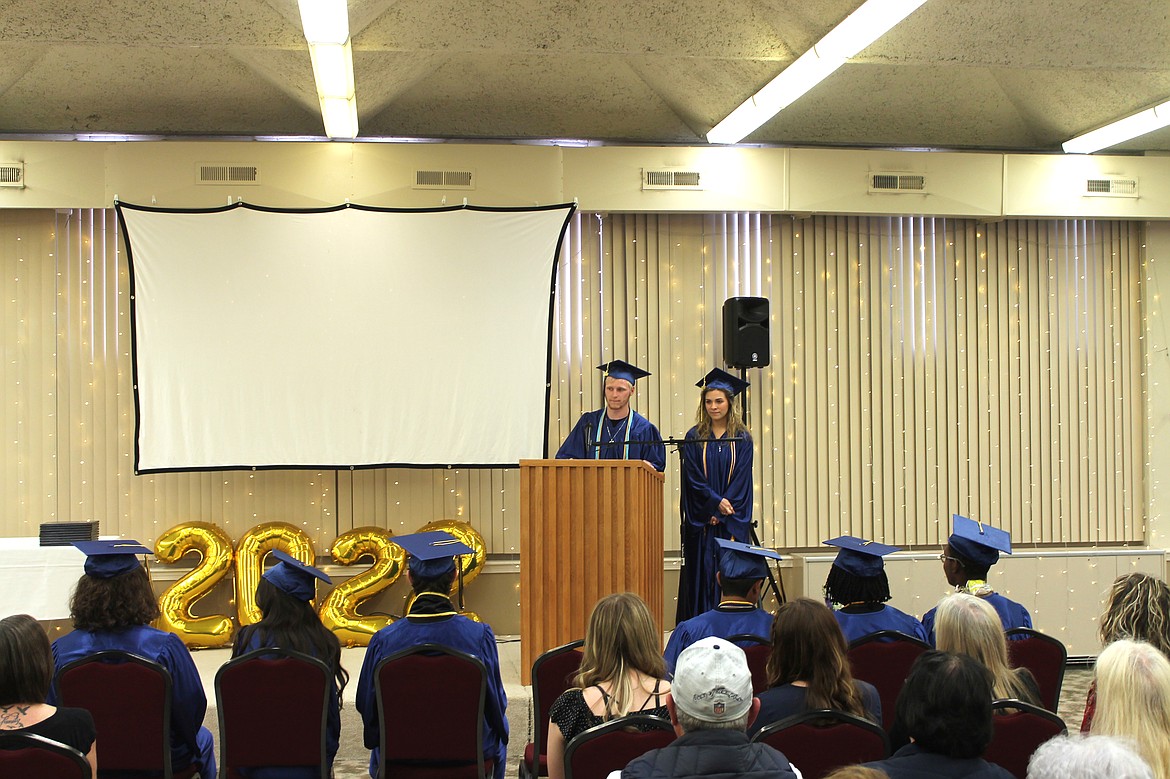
{"points": [[605, 728], [838, 717], [15, 741], [1030, 633], [429, 649], [752, 638], [1028, 708], [872, 638], [120, 656], [269, 653], [539, 728]]}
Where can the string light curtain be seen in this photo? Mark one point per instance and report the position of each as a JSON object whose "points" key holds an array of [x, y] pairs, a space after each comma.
{"points": [[920, 367]]}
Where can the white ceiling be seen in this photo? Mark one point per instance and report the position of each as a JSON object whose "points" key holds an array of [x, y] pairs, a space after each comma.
{"points": [[957, 74]]}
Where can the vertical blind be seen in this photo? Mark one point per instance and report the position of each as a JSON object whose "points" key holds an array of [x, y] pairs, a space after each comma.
{"points": [[920, 367]]}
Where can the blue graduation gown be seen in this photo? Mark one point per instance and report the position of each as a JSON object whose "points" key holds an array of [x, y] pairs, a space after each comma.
{"points": [[190, 741], [856, 625], [457, 632], [722, 621], [645, 442], [711, 472], [1011, 614]]}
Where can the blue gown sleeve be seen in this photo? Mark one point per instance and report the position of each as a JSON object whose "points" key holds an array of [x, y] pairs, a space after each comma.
{"points": [[695, 484], [366, 697], [739, 489], [496, 705], [189, 701], [675, 645], [653, 451], [928, 626], [574, 447]]}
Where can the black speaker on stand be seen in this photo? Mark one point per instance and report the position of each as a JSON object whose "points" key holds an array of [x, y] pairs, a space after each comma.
{"points": [[745, 333]]}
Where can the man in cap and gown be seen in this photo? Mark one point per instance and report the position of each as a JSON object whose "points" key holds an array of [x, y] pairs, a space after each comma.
{"points": [[971, 550], [742, 570], [858, 588], [616, 432], [433, 619]]}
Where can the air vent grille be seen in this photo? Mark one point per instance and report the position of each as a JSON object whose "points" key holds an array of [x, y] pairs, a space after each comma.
{"points": [[1111, 187], [670, 178], [890, 182], [227, 173], [12, 174], [444, 179]]}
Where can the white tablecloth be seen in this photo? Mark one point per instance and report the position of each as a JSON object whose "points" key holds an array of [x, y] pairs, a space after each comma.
{"points": [[37, 580]]}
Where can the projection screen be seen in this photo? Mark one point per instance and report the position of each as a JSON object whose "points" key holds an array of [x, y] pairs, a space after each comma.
{"points": [[340, 337]]}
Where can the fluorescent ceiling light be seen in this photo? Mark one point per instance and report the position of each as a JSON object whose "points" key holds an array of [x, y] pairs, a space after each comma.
{"points": [[333, 69], [1120, 131], [861, 28], [340, 115], [326, 24], [325, 21]]}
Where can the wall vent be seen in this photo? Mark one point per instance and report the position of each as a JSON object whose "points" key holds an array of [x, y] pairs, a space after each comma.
{"points": [[226, 173], [1111, 187], [671, 178], [892, 182], [12, 174], [444, 179]]}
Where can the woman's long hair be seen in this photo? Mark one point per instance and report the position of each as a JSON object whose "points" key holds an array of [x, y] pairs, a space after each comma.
{"points": [[967, 625], [735, 425], [621, 637], [123, 601], [1133, 700], [808, 646], [1138, 608], [292, 623], [26, 662]]}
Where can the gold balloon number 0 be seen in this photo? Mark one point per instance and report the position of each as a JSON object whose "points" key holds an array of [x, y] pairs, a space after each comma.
{"points": [[339, 611]]}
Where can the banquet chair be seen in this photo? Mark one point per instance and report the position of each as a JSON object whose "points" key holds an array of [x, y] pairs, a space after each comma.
{"points": [[1016, 735], [1044, 656], [411, 746], [273, 708], [883, 659], [820, 741], [757, 649], [31, 756], [130, 700], [607, 747], [552, 674]]}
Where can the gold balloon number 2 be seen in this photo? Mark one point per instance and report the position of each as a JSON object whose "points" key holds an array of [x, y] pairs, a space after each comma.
{"points": [[339, 611]]}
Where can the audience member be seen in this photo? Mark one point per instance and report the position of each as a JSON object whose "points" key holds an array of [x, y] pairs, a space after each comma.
{"points": [[945, 709], [809, 668], [26, 671], [968, 555], [742, 570], [1087, 757], [622, 672], [711, 706], [112, 608], [284, 595], [433, 619], [968, 625], [858, 588], [857, 772], [1133, 700]]}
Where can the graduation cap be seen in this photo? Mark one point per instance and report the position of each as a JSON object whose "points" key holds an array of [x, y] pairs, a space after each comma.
{"points": [[620, 369], [294, 577], [720, 379], [977, 542], [432, 554], [858, 556], [743, 561], [108, 558]]}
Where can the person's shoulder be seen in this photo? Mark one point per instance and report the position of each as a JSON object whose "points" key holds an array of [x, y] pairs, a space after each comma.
{"points": [[769, 758]]}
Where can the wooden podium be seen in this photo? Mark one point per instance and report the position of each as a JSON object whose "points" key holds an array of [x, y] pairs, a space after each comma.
{"points": [[588, 528]]}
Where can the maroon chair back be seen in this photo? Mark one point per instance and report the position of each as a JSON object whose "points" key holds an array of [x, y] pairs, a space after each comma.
{"points": [[130, 700], [454, 684], [1019, 733], [1044, 656], [757, 649], [273, 707], [883, 659], [552, 674], [821, 740], [607, 747], [29, 756]]}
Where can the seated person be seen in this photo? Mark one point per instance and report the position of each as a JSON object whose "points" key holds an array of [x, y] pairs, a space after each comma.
{"points": [[968, 625], [741, 574], [1087, 757], [857, 588], [433, 619], [968, 555], [1133, 700], [616, 432], [112, 608]]}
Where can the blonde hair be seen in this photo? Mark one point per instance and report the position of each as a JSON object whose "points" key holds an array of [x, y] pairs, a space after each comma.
{"points": [[621, 637], [857, 772], [735, 425], [1138, 608], [965, 624], [1133, 700]]}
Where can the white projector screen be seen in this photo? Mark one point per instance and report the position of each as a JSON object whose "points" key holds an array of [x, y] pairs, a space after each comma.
{"points": [[340, 337]]}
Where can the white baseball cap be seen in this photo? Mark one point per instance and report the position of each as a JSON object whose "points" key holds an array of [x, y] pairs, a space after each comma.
{"points": [[712, 681]]}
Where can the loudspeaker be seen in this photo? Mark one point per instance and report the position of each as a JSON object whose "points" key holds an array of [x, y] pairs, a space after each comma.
{"points": [[745, 333]]}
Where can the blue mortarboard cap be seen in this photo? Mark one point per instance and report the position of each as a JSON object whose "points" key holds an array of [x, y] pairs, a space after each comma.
{"points": [[107, 558], [743, 561], [858, 556], [294, 577], [620, 369], [432, 553], [718, 378], [977, 542]]}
